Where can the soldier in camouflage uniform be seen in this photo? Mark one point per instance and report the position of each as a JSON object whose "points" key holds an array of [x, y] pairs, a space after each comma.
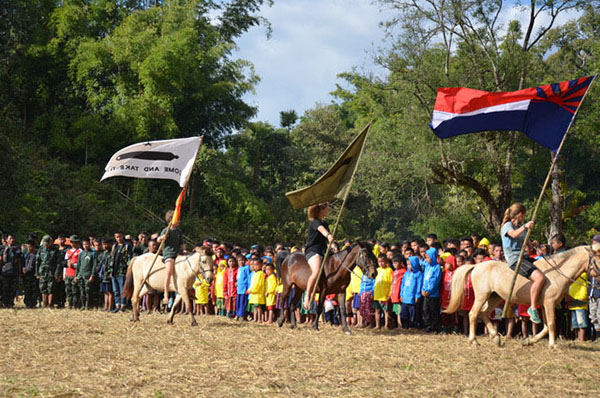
{"points": [[104, 266], [47, 264], [87, 274], [120, 255], [11, 258], [30, 283]]}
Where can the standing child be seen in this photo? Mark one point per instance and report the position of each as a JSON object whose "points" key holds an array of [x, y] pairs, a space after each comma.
{"points": [[230, 286], [243, 284], [104, 260], [87, 273], [381, 290], [399, 264], [270, 292], [578, 305], [201, 296], [355, 282], [410, 291], [366, 300], [219, 283], [431, 291], [449, 321], [257, 289]]}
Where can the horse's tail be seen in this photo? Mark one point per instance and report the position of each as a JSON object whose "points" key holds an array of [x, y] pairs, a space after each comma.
{"points": [[458, 287], [279, 258], [128, 286]]}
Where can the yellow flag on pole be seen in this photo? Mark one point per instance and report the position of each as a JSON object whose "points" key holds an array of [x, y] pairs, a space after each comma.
{"points": [[334, 183]]}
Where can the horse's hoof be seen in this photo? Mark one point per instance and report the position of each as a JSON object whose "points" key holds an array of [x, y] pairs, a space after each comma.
{"points": [[348, 332], [526, 342], [292, 326], [315, 328], [497, 340], [280, 322], [169, 322], [474, 342], [194, 323], [552, 346]]}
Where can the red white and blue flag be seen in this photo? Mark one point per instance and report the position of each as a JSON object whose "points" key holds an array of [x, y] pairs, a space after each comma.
{"points": [[543, 113]]}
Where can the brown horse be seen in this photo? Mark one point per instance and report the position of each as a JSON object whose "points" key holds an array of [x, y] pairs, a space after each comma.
{"points": [[334, 280], [491, 282]]}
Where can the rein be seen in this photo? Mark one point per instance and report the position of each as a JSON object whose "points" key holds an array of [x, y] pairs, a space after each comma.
{"points": [[187, 260], [557, 269], [360, 257]]}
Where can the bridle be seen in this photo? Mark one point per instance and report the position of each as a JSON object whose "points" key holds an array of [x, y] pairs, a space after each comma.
{"points": [[591, 265], [201, 262], [360, 261]]}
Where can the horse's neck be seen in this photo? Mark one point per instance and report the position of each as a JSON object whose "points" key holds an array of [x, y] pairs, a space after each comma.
{"points": [[343, 267], [572, 266]]}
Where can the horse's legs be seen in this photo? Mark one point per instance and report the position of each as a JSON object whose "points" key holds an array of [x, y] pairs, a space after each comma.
{"points": [[172, 313], [135, 301], [282, 299], [319, 309], [186, 300], [544, 331], [293, 305], [342, 301], [479, 301], [485, 316], [550, 323]]}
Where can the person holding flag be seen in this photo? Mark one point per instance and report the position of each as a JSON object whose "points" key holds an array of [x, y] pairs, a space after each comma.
{"points": [[316, 244], [173, 244]]}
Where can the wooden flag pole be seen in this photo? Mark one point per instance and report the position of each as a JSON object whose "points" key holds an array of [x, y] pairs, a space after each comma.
{"points": [[339, 217], [537, 205], [162, 242]]}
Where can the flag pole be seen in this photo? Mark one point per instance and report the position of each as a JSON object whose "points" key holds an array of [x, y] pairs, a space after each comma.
{"points": [[162, 242], [537, 205], [339, 217]]}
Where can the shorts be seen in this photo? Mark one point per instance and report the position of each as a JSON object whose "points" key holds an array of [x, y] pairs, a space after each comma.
{"points": [[526, 269], [105, 287], [308, 255], [397, 308], [251, 307], [356, 301], [220, 303], [380, 305], [579, 319], [270, 308]]}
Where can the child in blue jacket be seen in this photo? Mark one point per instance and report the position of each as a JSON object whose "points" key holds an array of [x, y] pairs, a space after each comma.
{"points": [[410, 292], [431, 291]]}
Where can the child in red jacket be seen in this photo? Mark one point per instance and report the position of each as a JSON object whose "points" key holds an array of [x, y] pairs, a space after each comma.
{"points": [[449, 321], [399, 264], [230, 286]]}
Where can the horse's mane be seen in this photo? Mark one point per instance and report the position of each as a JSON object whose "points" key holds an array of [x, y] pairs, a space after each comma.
{"points": [[560, 257]]}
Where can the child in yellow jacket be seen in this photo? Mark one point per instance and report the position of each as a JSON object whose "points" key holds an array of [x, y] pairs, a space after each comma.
{"points": [[257, 290], [201, 293], [270, 292]]}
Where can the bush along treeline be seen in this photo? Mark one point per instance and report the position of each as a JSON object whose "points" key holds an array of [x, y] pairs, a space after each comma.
{"points": [[80, 79]]}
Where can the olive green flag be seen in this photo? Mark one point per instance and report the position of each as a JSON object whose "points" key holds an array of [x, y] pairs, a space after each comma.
{"points": [[333, 184]]}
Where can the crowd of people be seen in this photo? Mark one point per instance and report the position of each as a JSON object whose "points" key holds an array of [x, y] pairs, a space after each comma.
{"points": [[410, 291]]}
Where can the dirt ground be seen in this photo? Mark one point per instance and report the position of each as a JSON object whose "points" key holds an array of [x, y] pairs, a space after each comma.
{"points": [[64, 353]]}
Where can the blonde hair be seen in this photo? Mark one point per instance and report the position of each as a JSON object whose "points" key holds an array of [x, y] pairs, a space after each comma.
{"points": [[169, 216], [315, 210], [514, 210]]}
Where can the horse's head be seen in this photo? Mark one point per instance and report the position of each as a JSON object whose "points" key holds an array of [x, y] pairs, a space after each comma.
{"points": [[205, 263], [366, 259], [593, 268]]}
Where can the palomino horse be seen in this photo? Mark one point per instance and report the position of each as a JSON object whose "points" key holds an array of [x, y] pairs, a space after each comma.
{"points": [[336, 277], [491, 283], [185, 270]]}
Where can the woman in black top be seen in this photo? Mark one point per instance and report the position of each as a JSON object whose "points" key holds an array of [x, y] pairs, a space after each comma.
{"points": [[316, 244]]}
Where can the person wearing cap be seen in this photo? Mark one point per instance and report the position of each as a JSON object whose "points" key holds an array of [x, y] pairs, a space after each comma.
{"points": [[47, 261], [513, 234], [316, 244], [72, 258], [173, 245]]}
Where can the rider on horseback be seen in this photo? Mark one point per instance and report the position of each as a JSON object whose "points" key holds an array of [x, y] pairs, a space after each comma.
{"points": [[513, 235], [316, 244]]}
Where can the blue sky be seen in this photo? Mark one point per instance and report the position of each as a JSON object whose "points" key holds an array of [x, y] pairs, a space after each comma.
{"points": [[312, 42]]}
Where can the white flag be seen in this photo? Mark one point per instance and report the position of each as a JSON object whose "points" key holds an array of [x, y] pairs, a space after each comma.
{"points": [[166, 159]]}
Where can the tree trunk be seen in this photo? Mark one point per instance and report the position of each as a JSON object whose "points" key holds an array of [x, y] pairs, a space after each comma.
{"points": [[556, 224]]}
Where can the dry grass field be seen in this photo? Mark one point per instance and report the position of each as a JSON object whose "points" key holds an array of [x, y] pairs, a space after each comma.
{"points": [[63, 353]]}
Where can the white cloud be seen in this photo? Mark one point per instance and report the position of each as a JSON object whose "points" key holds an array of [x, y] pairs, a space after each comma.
{"points": [[312, 42]]}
